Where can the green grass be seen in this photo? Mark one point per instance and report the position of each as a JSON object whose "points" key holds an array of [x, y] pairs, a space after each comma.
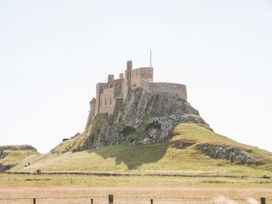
{"points": [[70, 144], [201, 135], [161, 157], [16, 156]]}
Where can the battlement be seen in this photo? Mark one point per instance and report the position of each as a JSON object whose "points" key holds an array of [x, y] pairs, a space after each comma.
{"points": [[162, 87], [111, 77], [116, 89]]}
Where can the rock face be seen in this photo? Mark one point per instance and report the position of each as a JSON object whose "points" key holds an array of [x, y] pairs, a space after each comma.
{"points": [[143, 118], [222, 151], [3, 154]]}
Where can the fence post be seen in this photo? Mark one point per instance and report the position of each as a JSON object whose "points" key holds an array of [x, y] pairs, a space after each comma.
{"points": [[110, 199], [91, 201], [34, 200], [151, 201], [263, 201]]}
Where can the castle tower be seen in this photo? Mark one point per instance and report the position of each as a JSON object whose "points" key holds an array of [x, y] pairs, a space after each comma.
{"points": [[128, 73], [110, 77], [92, 112], [92, 106]]}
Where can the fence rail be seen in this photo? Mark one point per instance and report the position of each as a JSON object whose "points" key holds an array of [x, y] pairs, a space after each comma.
{"points": [[111, 199]]}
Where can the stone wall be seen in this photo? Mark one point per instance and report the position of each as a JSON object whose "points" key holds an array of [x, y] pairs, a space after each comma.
{"points": [[139, 74], [107, 101], [171, 88], [118, 90], [99, 90], [107, 93]]}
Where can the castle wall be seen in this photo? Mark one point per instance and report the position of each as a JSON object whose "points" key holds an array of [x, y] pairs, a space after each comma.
{"points": [[118, 91], [107, 93], [99, 90], [171, 88], [125, 90], [107, 101], [137, 75]]}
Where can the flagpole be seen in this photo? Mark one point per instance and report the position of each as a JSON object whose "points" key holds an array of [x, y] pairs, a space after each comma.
{"points": [[150, 57]]}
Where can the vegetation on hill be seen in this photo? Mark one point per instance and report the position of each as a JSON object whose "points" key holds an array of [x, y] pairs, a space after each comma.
{"points": [[181, 154], [11, 156], [17, 147]]}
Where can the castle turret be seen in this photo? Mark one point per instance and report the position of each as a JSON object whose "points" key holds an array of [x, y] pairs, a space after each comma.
{"points": [[110, 77], [127, 84], [92, 104], [121, 76], [128, 73], [92, 112]]}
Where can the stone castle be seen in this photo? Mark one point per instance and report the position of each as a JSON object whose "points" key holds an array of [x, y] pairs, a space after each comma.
{"points": [[118, 89]]}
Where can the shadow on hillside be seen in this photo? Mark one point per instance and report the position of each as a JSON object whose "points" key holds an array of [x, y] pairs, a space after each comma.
{"points": [[134, 156]]}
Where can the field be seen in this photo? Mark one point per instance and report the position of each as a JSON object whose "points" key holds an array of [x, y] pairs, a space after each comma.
{"points": [[130, 189], [136, 174]]}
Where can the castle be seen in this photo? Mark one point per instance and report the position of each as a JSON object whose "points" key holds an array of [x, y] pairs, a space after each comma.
{"points": [[117, 89]]}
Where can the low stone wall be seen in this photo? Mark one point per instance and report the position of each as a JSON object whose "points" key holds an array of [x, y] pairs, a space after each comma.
{"points": [[161, 87]]}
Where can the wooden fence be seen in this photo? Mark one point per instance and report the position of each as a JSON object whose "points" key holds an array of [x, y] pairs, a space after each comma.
{"points": [[110, 199]]}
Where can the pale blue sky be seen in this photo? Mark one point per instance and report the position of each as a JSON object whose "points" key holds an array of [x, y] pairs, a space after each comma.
{"points": [[52, 53]]}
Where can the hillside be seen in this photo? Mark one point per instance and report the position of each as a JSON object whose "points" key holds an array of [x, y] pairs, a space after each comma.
{"points": [[143, 118], [12, 155], [192, 149]]}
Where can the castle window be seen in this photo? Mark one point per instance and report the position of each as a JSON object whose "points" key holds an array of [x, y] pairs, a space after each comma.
{"points": [[105, 101], [110, 101]]}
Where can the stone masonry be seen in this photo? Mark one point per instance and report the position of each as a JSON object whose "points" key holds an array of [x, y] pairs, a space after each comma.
{"points": [[118, 89]]}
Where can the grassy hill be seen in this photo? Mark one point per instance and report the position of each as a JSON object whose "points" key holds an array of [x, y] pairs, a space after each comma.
{"points": [[12, 155], [193, 149]]}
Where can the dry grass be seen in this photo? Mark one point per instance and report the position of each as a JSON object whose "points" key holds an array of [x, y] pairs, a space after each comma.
{"points": [[131, 181], [162, 157], [15, 156], [134, 194]]}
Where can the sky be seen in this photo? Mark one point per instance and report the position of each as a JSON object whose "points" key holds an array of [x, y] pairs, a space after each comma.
{"points": [[52, 54]]}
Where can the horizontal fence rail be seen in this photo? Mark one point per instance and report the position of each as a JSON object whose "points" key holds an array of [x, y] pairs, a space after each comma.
{"points": [[111, 199]]}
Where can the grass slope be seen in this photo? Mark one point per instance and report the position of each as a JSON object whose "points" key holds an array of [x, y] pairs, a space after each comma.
{"points": [[13, 155], [161, 157]]}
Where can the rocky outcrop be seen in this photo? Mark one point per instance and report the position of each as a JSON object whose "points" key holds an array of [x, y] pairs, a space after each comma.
{"points": [[143, 118], [4, 168], [3, 154], [222, 151], [180, 144]]}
